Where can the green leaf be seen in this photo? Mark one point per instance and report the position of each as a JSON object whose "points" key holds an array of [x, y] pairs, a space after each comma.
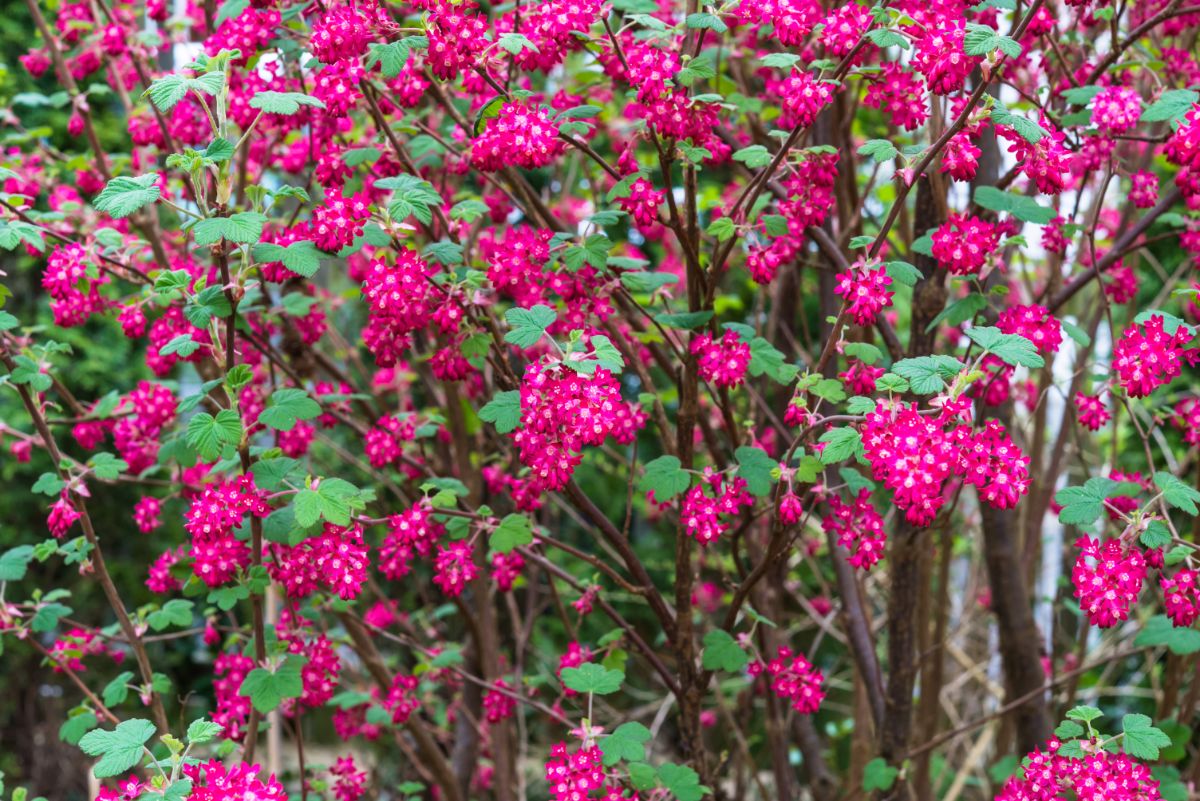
{"points": [[286, 407], [270, 474], [1171, 105], [1076, 333], [1085, 713], [514, 530], [1178, 493], [1156, 535], [74, 727], [117, 690], [754, 156], [593, 251], [627, 741], [701, 67], [960, 311], [879, 775], [646, 281], [175, 612], [47, 616], [516, 42], [706, 22], [1020, 206], [682, 781], [865, 352], [390, 57], [8, 322], [766, 359], [903, 273], [123, 196], [1012, 349], [1142, 740], [245, 228], [503, 411], [884, 38], [119, 749], [1082, 506], [1159, 630], [286, 103], [332, 499], [722, 228], [683, 320], [665, 477], [879, 149], [928, 374], [203, 731], [757, 469], [592, 678], [48, 484], [605, 352], [303, 258], [219, 150], [267, 689], [14, 563], [208, 303], [528, 325], [209, 435], [468, 210], [1028, 130], [840, 444], [1068, 729], [721, 652], [783, 61], [411, 197], [1081, 95]]}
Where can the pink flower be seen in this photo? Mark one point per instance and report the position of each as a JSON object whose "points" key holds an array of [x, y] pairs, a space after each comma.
{"points": [[723, 362], [858, 528], [454, 567], [1147, 357], [962, 244], [1092, 412], [793, 678], [865, 290], [1035, 324], [146, 514], [521, 136], [1107, 579]]}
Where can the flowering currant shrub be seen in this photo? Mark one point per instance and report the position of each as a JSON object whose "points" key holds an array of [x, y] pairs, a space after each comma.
{"points": [[607, 399]]}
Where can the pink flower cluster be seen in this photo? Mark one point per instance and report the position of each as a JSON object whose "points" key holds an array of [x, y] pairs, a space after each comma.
{"points": [[349, 783], [1181, 596], [1099, 776], [962, 244], [1033, 322], [793, 678], [522, 136], [454, 567], [214, 781], [1107, 579], [722, 361], [864, 289], [340, 219], [580, 775], [73, 281], [401, 299], [858, 528], [335, 560], [707, 505], [915, 455], [561, 412], [1147, 357], [411, 533], [210, 521], [1092, 412]]}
